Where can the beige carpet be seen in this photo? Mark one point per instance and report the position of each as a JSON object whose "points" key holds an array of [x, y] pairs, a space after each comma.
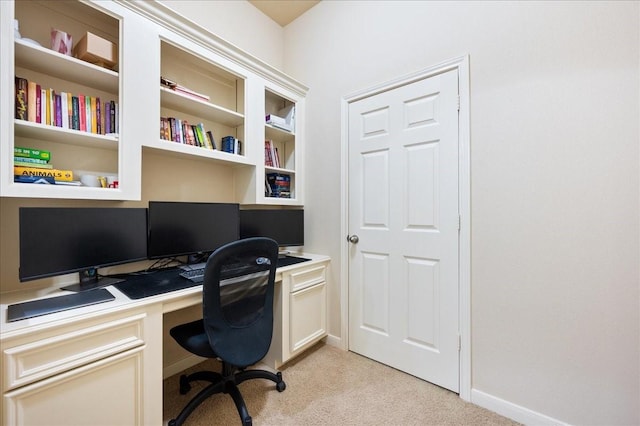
{"points": [[329, 386]]}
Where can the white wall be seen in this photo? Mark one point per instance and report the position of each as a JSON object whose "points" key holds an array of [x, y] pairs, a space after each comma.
{"points": [[239, 23], [555, 180]]}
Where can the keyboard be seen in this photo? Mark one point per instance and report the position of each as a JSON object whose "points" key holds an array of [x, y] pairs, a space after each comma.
{"points": [[228, 270], [36, 308], [193, 275]]}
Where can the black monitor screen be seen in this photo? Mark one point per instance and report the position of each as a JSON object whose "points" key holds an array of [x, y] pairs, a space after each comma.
{"points": [[284, 226], [181, 228], [57, 241]]}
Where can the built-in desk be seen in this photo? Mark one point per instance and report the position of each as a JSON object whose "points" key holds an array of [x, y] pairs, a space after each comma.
{"points": [[103, 364]]}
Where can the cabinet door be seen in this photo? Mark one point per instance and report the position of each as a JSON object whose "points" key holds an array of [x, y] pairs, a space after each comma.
{"points": [[307, 321], [107, 392]]}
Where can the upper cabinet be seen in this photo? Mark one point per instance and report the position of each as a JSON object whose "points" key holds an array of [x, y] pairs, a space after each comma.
{"points": [[138, 76]]}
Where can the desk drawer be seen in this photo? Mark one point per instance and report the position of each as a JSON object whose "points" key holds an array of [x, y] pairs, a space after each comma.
{"points": [[306, 278], [44, 358]]}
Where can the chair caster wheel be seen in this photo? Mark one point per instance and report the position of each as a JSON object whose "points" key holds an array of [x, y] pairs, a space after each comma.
{"points": [[185, 387], [172, 422], [281, 386]]}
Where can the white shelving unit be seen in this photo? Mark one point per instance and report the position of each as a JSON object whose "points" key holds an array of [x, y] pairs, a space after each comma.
{"points": [[241, 90]]}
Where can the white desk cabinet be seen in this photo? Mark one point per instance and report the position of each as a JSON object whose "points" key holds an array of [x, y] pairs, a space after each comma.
{"points": [[300, 319], [103, 364], [75, 372]]}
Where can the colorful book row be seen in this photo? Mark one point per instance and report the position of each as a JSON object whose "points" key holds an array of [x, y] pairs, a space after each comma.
{"points": [[176, 130], [62, 109]]}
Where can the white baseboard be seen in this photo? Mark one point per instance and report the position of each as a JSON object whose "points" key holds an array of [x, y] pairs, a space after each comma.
{"points": [[334, 341], [514, 412]]}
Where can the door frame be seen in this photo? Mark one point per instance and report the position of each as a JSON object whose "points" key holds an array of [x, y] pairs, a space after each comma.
{"points": [[461, 64]]}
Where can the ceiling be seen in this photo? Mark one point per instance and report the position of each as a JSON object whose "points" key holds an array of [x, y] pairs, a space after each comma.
{"points": [[284, 11]]}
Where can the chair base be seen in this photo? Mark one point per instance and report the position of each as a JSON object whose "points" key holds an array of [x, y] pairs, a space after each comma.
{"points": [[227, 382]]}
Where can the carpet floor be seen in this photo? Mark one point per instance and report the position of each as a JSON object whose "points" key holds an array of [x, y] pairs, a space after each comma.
{"points": [[329, 386]]}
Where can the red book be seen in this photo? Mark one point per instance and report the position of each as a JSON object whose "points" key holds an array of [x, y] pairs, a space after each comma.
{"points": [[38, 103], [82, 113], [98, 117]]}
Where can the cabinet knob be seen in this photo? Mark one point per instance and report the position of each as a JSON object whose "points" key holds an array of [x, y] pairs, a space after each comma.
{"points": [[353, 239]]}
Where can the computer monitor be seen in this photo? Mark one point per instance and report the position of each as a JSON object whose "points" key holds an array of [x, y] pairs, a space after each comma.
{"points": [[286, 226], [62, 240], [189, 228]]}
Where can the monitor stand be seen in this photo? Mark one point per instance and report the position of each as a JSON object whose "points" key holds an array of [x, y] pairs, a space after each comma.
{"points": [[283, 253], [90, 280]]}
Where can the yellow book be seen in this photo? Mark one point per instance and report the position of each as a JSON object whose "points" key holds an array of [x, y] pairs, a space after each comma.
{"points": [[47, 101], [31, 101], [63, 175], [94, 116]]}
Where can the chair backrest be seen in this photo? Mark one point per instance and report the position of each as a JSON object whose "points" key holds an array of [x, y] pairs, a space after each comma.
{"points": [[237, 299]]}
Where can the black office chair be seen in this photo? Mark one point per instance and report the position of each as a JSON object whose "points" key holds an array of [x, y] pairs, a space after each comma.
{"points": [[237, 324]]}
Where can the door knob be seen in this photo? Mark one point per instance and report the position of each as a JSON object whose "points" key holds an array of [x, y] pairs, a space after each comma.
{"points": [[353, 239]]}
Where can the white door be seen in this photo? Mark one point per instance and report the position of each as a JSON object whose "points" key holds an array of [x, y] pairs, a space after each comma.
{"points": [[403, 209]]}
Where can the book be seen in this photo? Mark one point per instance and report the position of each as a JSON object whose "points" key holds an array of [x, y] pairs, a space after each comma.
{"points": [[75, 113], [107, 117], [64, 175], [202, 133], [187, 131], [48, 111], [28, 160], [200, 137], [228, 143], [98, 117], [38, 103], [31, 101], [94, 114], [182, 90], [43, 106], [280, 185], [82, 113], [64, 113], [32, 153], [69, 110], [87, 113], [18, 161], [212, 141], [115, 117], [21, 98], [51, 100], [34, 179], [58, 110], [271, 154]]}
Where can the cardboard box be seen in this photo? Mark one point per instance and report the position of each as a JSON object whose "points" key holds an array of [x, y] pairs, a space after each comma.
{"points": [[95, 49]]}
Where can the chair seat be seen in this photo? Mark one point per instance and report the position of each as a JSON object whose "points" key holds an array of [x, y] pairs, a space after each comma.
{"points": [[193, 337]]}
